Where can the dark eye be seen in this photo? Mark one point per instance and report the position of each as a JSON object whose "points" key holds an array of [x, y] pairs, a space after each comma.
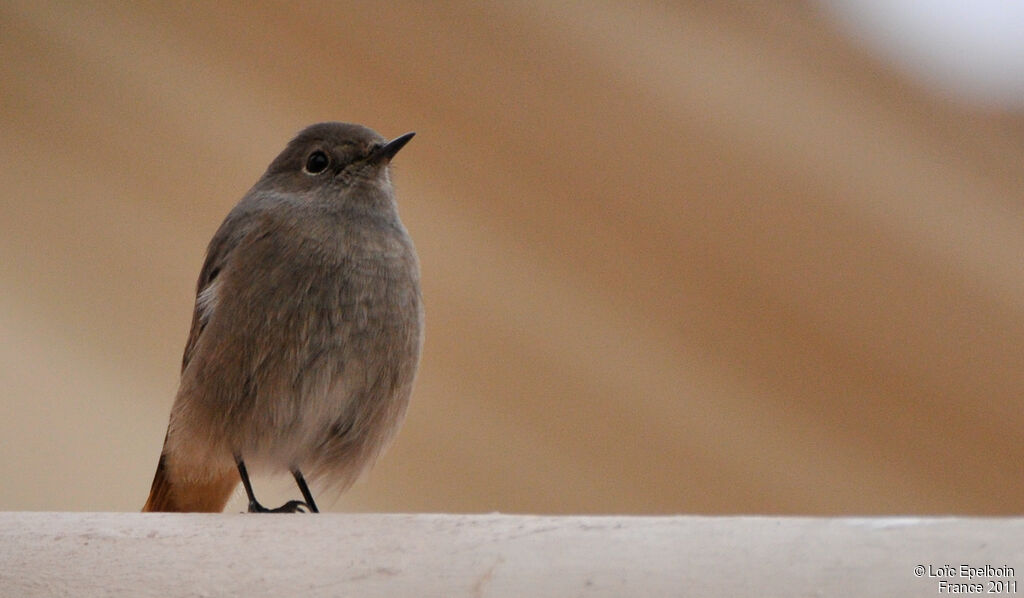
{"points": [[317, 162]]}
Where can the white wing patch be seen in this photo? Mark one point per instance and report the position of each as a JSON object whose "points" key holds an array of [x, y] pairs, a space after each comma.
{"points": [[206, 300]]}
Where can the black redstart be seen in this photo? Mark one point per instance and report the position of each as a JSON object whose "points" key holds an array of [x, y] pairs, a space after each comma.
{"points": [[306, 333]]}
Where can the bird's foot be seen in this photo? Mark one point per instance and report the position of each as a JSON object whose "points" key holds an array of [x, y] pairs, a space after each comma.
{"points": [[292, 506]]}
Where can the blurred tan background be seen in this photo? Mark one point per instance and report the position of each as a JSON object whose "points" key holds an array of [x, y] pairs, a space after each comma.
{"points": [[706, 258]]}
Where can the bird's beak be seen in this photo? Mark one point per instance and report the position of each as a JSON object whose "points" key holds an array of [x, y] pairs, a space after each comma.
{"points": [[389, 149]]}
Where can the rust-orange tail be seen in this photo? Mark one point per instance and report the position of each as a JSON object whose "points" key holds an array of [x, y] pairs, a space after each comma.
{"points": [[208, 494]]}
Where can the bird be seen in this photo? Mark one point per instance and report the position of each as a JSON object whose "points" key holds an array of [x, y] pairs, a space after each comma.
{"points": [[306, 332]]}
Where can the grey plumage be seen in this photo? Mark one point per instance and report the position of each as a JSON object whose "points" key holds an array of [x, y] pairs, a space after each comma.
{"points": [[308, 321]]}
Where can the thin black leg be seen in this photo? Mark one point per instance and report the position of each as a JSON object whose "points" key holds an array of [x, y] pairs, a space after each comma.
{"points": [[253, 505], [292, 506], [301, 481]]}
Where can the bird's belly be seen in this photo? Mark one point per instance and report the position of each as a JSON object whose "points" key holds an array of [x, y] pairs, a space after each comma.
{"points": [[335, 392], [319, 379]]}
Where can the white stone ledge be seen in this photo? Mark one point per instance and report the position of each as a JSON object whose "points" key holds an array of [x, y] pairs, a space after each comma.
{"points": [[119, 554]]}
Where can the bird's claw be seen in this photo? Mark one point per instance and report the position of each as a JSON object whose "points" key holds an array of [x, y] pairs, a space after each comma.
{"points": [[292, 506]]}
